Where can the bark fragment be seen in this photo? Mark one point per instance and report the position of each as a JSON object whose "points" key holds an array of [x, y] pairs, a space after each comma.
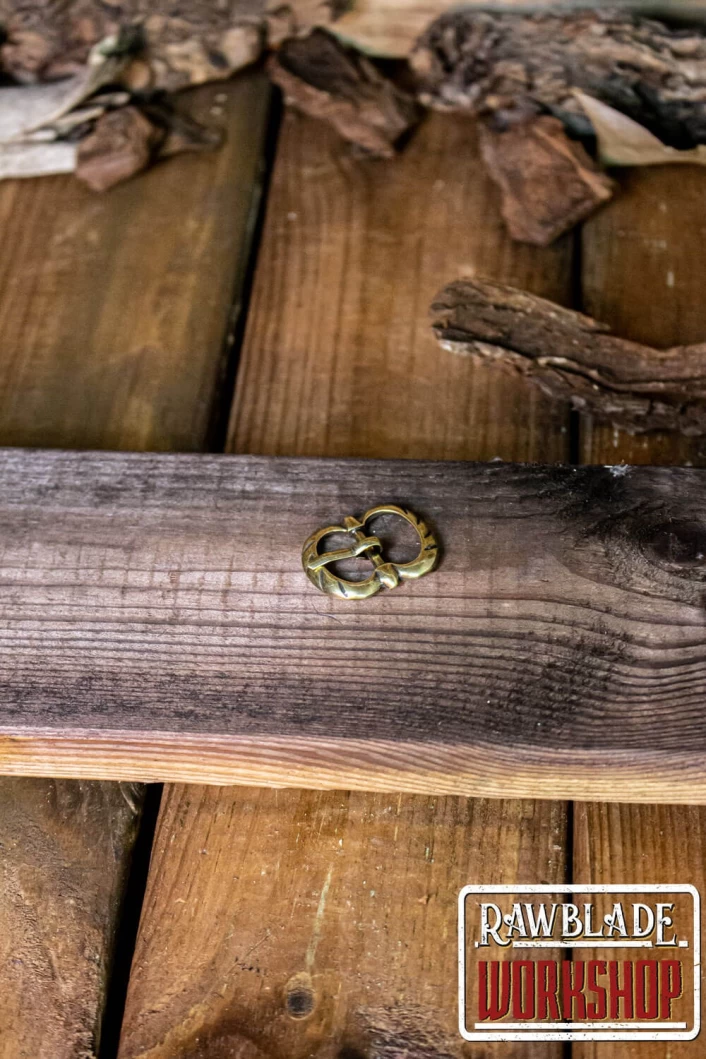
{"points": [[548, 182], [121, 144], [325, 80], [187, 41], [573, 357], [513, 65]]}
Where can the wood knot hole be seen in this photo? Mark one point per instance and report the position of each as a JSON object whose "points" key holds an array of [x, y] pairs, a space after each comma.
{"points": [[678, 544], [299, 996]]}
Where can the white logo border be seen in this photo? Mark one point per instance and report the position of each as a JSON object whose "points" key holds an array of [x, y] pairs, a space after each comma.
{"points": [[569, 1035]]}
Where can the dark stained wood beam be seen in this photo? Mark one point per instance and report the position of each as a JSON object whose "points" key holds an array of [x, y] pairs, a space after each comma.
{"points": [[156, 623]]}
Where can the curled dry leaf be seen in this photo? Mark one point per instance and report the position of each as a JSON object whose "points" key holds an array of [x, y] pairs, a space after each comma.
{"points": [[574, 358], [325, 80], [622, 142], [24, 110], [548, 181]]}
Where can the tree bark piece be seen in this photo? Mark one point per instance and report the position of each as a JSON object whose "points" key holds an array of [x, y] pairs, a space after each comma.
{"points": [[325, 80], [120, 145], [574, 358], [187, 43], [524, 64], [548, 181]]}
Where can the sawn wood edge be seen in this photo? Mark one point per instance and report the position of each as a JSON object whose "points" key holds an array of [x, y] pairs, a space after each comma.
{"points": [[357, 764]]}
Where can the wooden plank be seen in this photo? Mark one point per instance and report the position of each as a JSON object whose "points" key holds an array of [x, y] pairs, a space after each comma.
{"points": [[339, 359], [156, 622], [644, 268], [381, 968], [301, 922], [113, 312], [104, 298], [66, 849]]}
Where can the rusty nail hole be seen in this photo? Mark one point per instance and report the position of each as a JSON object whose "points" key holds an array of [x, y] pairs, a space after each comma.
{"points": [[299, 996]]}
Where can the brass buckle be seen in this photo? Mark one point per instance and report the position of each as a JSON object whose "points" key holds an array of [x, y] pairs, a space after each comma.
{"points": [[385, 574]]}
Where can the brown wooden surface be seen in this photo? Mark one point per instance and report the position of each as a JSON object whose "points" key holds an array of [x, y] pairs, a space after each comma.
{"points": [[66, 850], [156, 616], [340, 360], [113, 312], [644, 269], [114, 308]]}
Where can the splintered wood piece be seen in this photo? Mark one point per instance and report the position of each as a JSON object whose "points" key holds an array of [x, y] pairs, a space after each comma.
{"points": [[548, 182], [574, 358], [325, 80], [527, 63], [158, 624]]}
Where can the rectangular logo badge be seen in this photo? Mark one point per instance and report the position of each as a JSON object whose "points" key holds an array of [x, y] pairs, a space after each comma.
{"points": [[579, 963]]}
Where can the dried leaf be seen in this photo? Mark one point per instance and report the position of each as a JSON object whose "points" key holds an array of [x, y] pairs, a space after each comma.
{"points": [[24, 110], [622, 141], [36, 159]]}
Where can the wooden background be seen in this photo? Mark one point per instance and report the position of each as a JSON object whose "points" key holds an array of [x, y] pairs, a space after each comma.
{"points": [[300, 923], [157, 624]]}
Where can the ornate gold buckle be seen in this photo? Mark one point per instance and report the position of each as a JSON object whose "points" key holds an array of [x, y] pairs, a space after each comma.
{"points": [[385, 574]]}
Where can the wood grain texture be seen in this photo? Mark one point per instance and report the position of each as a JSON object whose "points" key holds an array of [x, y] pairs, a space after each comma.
{"points": [[113, 315], [336, 236], [312, 940], [339, 357], [65, 858], [164, 595], [644, 267], [103, 298]]}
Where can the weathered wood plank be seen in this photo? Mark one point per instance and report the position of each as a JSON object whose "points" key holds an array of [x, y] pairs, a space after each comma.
{"points": [[154, 611], [318, 923], [65, 857], [644, 268], [103, 298], [113, 316]]}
